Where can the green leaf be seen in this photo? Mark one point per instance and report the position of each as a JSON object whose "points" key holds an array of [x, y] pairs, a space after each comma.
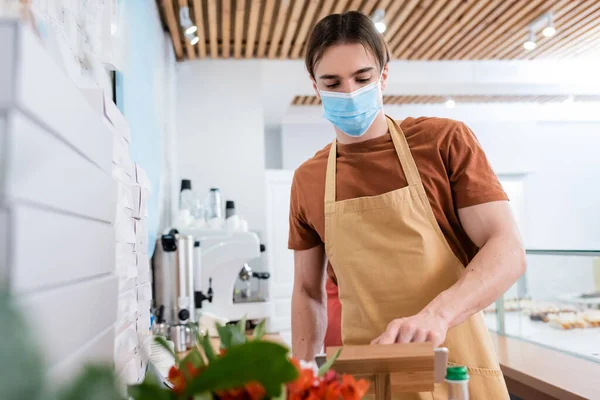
{"points": [[208, 349], [149, 391], [283, 395], [231, 336], [22, 368], [163, 342], [204, 396], [256, 361], [327, 366], [260, 330], [94, 383], [242, 325], [194, 357]]}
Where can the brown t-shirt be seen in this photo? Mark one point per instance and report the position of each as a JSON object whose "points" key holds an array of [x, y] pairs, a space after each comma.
{"points": [[453, 167]]}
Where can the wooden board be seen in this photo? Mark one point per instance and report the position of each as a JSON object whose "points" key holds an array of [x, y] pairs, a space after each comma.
{"points": [[411, 366]]}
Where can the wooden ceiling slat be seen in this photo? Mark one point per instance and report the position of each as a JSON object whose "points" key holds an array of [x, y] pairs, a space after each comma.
{"points": [[451, 35], [583, 50], [225, 28], [417, 33], [472, 28], [519, 20], [580, 36], [189, 49], [340, 7], [432, 27], [325, 10], [252, 28], [395, 21], [265, 28], [240, 14], [589, 37], [371, 5], [291, 27], [199, 21], [355, 5], [212, 28], [434, 31], [510, 43], [417, 29], [579, 21], [307, 22], [280, 22], [408, 25], [569, 24], [173, 26], [489, 25]]}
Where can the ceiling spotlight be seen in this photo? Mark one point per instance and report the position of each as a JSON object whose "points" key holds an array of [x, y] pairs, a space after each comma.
{"points": [[191, 29], [378, 19], [450, 103], [549, 30], [530, 43]]}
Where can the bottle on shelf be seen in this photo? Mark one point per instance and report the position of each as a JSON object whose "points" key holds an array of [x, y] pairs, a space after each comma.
{"points": [[458, 383], [190, 201], [213, 206]]}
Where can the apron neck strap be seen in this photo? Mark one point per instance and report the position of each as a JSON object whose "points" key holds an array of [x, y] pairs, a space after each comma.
{"points": [[402, 150]]}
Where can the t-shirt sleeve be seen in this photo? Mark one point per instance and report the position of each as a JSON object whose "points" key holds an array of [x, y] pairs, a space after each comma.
{"points": [[302, 236], [472, 178]]}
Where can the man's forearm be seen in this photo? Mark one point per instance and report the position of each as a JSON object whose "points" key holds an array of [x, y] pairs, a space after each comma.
{"points": [[309, 323], [497, 266]]}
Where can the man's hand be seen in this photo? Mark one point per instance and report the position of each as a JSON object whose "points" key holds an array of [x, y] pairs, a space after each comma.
{"points": [[423, 327]]}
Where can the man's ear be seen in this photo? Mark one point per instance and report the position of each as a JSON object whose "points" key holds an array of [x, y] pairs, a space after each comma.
{"points": [[384, 76], [314, 85]]}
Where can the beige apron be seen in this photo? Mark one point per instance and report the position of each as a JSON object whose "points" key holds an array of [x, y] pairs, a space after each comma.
{"points": [[391, 259]]}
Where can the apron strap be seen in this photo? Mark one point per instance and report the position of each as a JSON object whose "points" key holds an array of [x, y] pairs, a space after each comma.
{"points": [[330, 177], [400, 144], [406, 159]]}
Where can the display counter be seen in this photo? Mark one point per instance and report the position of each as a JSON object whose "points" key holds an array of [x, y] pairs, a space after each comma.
{"points": [[547, 326]]}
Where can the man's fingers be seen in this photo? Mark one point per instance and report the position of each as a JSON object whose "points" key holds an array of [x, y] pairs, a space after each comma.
{"points": [[420, 336], [407, 332]]}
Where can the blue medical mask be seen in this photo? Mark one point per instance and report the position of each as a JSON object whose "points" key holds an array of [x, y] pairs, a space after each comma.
{"points": [[352, 113]]}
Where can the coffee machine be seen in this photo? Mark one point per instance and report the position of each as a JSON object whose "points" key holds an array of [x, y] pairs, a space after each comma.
{"points": [[224, 258], [173, 270]]}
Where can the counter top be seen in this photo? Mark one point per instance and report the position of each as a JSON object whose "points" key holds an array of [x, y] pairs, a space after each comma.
{"points": [[550, 372]]}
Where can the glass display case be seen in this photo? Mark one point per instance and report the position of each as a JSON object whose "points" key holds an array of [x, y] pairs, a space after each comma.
{"points": [[555, 304]]}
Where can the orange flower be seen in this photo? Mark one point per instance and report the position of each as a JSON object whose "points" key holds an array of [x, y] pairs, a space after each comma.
{"points": [[250, 391], [352, 389], [329, 390], [304, 382], [255, 391], [177, 379]]}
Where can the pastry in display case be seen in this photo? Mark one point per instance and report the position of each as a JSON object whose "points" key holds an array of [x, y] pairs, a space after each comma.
{"points": [[555, 304]]}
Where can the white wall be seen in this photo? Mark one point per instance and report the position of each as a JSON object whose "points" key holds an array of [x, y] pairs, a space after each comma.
{"points": [[518, 138], [220, 133]]}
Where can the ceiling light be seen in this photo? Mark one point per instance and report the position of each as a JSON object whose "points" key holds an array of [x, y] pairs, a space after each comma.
{"points": [[191, 29], [380, 26], [450, 103], [195, 40], [549, 31], [569, 100], [530, 43], [378, 19]]}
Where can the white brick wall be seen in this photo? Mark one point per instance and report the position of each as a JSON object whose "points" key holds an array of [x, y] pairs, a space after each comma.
{"points": [[57, 202]]}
